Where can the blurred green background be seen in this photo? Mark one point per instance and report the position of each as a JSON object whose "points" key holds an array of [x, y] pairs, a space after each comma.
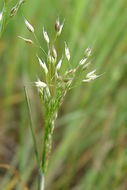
{"points": [[90, 139]]}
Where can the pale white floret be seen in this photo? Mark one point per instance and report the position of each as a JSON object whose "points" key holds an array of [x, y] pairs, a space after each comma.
{"points": [[48, 92], [29, 26], [61, 27], [29, 41], [54, 52], [88, 51], [82, 62], [90, 74], [40, 84], [43, 65], [86, 80], [46, 37], [59, 64], [86, 65], [96, 76], [67, 52], [49, 56]]}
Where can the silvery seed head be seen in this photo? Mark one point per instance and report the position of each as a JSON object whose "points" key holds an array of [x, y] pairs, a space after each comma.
{"points": [[29, 26], [86, 65], [82, 62], [46, 37], [67, 53], [54, 53], [86, 80], [28, 41], [49, 57], [40, 84], [46, 94], [88, 51], [59, 64], [58, 26], [43, 65], [90, 74]]}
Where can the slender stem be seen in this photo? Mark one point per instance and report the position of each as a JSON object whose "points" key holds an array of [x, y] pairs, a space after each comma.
{"points": [[39, 44], [32, 128], [45, 150], [40, 179]]}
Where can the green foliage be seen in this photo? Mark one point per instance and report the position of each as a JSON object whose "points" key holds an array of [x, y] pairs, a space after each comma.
{"points": [[54, 89], [89, 143]]}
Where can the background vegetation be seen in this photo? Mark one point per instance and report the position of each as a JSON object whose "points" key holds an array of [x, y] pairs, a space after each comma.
{"points": [[90, 139]]}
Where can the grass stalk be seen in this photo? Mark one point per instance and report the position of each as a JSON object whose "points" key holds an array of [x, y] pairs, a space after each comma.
{"points": [[32, 128]]}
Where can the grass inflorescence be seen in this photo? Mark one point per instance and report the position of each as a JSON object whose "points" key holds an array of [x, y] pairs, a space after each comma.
{"points": [[89, 143], [55, 85]]}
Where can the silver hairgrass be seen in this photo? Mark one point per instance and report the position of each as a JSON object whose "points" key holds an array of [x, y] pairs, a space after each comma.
{"points": [[55, 85]]}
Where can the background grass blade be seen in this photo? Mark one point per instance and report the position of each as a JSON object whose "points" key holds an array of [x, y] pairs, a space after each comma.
{"points": [[32, 128]]}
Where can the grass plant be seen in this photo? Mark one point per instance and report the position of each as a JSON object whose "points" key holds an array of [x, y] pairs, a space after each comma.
{"points": [[89, 142], [53, 89]]}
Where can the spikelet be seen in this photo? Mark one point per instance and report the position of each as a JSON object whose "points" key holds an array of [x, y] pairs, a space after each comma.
{"points": [[43, 65], [58, 26], [67, 52], [82, 62], [46, 37], [40, 84], [54, 53], [28, 41], [13, 11], [29, 26], [59, 64], [88, 51], [91, 76]]}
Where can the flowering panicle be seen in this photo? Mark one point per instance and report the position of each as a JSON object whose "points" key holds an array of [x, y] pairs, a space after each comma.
{"points": [[58, 82]]}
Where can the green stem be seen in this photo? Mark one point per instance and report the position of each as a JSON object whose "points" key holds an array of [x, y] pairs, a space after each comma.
{"points": [[45, 149], [39, 44], [40, 179], [32, 128]]}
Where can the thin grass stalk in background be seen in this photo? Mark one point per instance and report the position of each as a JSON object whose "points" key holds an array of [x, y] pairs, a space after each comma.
{"points": [[32, 128]]}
